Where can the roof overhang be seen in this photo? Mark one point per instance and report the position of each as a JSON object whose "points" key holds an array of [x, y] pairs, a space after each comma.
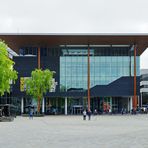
{"points": [[16, 41]]}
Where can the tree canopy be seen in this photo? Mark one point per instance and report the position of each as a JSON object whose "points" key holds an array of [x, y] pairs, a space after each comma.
{"points": [[7, 73], [39, 83]]}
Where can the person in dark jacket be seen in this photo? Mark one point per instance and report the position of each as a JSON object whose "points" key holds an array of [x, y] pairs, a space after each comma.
{"points": [[89, 115]]}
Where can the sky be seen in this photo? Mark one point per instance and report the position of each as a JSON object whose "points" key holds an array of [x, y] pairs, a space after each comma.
{"points": [[75, 16]]}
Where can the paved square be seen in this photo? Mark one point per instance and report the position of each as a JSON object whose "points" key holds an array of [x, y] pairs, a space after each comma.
{"points": [[72, 132]]}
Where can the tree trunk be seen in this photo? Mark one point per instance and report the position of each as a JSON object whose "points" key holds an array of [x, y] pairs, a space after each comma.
{"points": [[39, 105]]}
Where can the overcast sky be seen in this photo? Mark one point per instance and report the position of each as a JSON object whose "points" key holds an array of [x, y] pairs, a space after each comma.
{"points": [[75, 16]]}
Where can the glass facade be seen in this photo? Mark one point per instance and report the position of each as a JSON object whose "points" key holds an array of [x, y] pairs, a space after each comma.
{"points": [[107, 64], [103, 69]]}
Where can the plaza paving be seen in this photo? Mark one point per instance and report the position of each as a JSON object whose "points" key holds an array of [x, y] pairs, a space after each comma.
{"points": [[115, 131]]}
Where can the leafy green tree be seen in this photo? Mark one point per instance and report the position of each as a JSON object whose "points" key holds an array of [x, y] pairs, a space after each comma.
{"points": [[38, 85], [7, 73]]}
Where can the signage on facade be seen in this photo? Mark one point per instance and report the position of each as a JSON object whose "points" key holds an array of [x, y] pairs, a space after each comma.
{"points": [[22, 84]]}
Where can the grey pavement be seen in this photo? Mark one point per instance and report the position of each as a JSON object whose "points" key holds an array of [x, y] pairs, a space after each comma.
{"points": [[114, 131]]}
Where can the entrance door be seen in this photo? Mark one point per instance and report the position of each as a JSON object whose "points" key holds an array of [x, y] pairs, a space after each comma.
{"points": [[75, 105], [77, 109], [54, 106]]}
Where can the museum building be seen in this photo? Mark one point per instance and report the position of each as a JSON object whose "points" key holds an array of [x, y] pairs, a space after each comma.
{"points": [[92, 71]]}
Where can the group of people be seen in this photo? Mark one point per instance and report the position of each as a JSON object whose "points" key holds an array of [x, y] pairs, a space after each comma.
{"points": [[1, 112], [123, 111], [88, 113], [4, 112]]}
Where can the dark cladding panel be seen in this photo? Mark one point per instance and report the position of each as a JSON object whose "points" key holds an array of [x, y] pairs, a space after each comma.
{"points": [[123, 86], [24, 65], [52, 63]]}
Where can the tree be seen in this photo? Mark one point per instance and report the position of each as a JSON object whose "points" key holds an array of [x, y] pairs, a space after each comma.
{"points": [[7, 73], [38, 85]]}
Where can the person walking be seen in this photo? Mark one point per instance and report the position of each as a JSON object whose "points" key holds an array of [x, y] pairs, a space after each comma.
{"points": [[84, 115], [95, 112], [31, 114], [122, 111], [110, 111], [89, 115]]}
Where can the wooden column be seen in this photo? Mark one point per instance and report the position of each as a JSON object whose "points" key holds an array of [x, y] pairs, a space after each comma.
{"points": [[135, 81], [39, 58], [88, 78]]}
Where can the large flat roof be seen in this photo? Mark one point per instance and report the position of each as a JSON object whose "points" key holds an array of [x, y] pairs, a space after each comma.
{"points": [[16, 41]]}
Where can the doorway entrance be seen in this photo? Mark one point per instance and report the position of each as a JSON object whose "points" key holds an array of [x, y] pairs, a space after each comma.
{"points": [[75, 106], [54, 105]]}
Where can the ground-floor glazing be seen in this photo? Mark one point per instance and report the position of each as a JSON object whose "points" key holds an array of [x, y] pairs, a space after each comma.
{"points": [[76, 105]]}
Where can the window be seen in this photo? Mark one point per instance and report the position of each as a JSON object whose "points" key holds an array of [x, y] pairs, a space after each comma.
{"points": [[103, 69]]}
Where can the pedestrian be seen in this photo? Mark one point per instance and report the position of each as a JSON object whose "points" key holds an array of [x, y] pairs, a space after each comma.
{"points": [[3, 111], [0, 112], [122, 111], [31, 114], [84, 115], [125, 110], [89, 114], [132, 111], [95, 112], [110, 111]]}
